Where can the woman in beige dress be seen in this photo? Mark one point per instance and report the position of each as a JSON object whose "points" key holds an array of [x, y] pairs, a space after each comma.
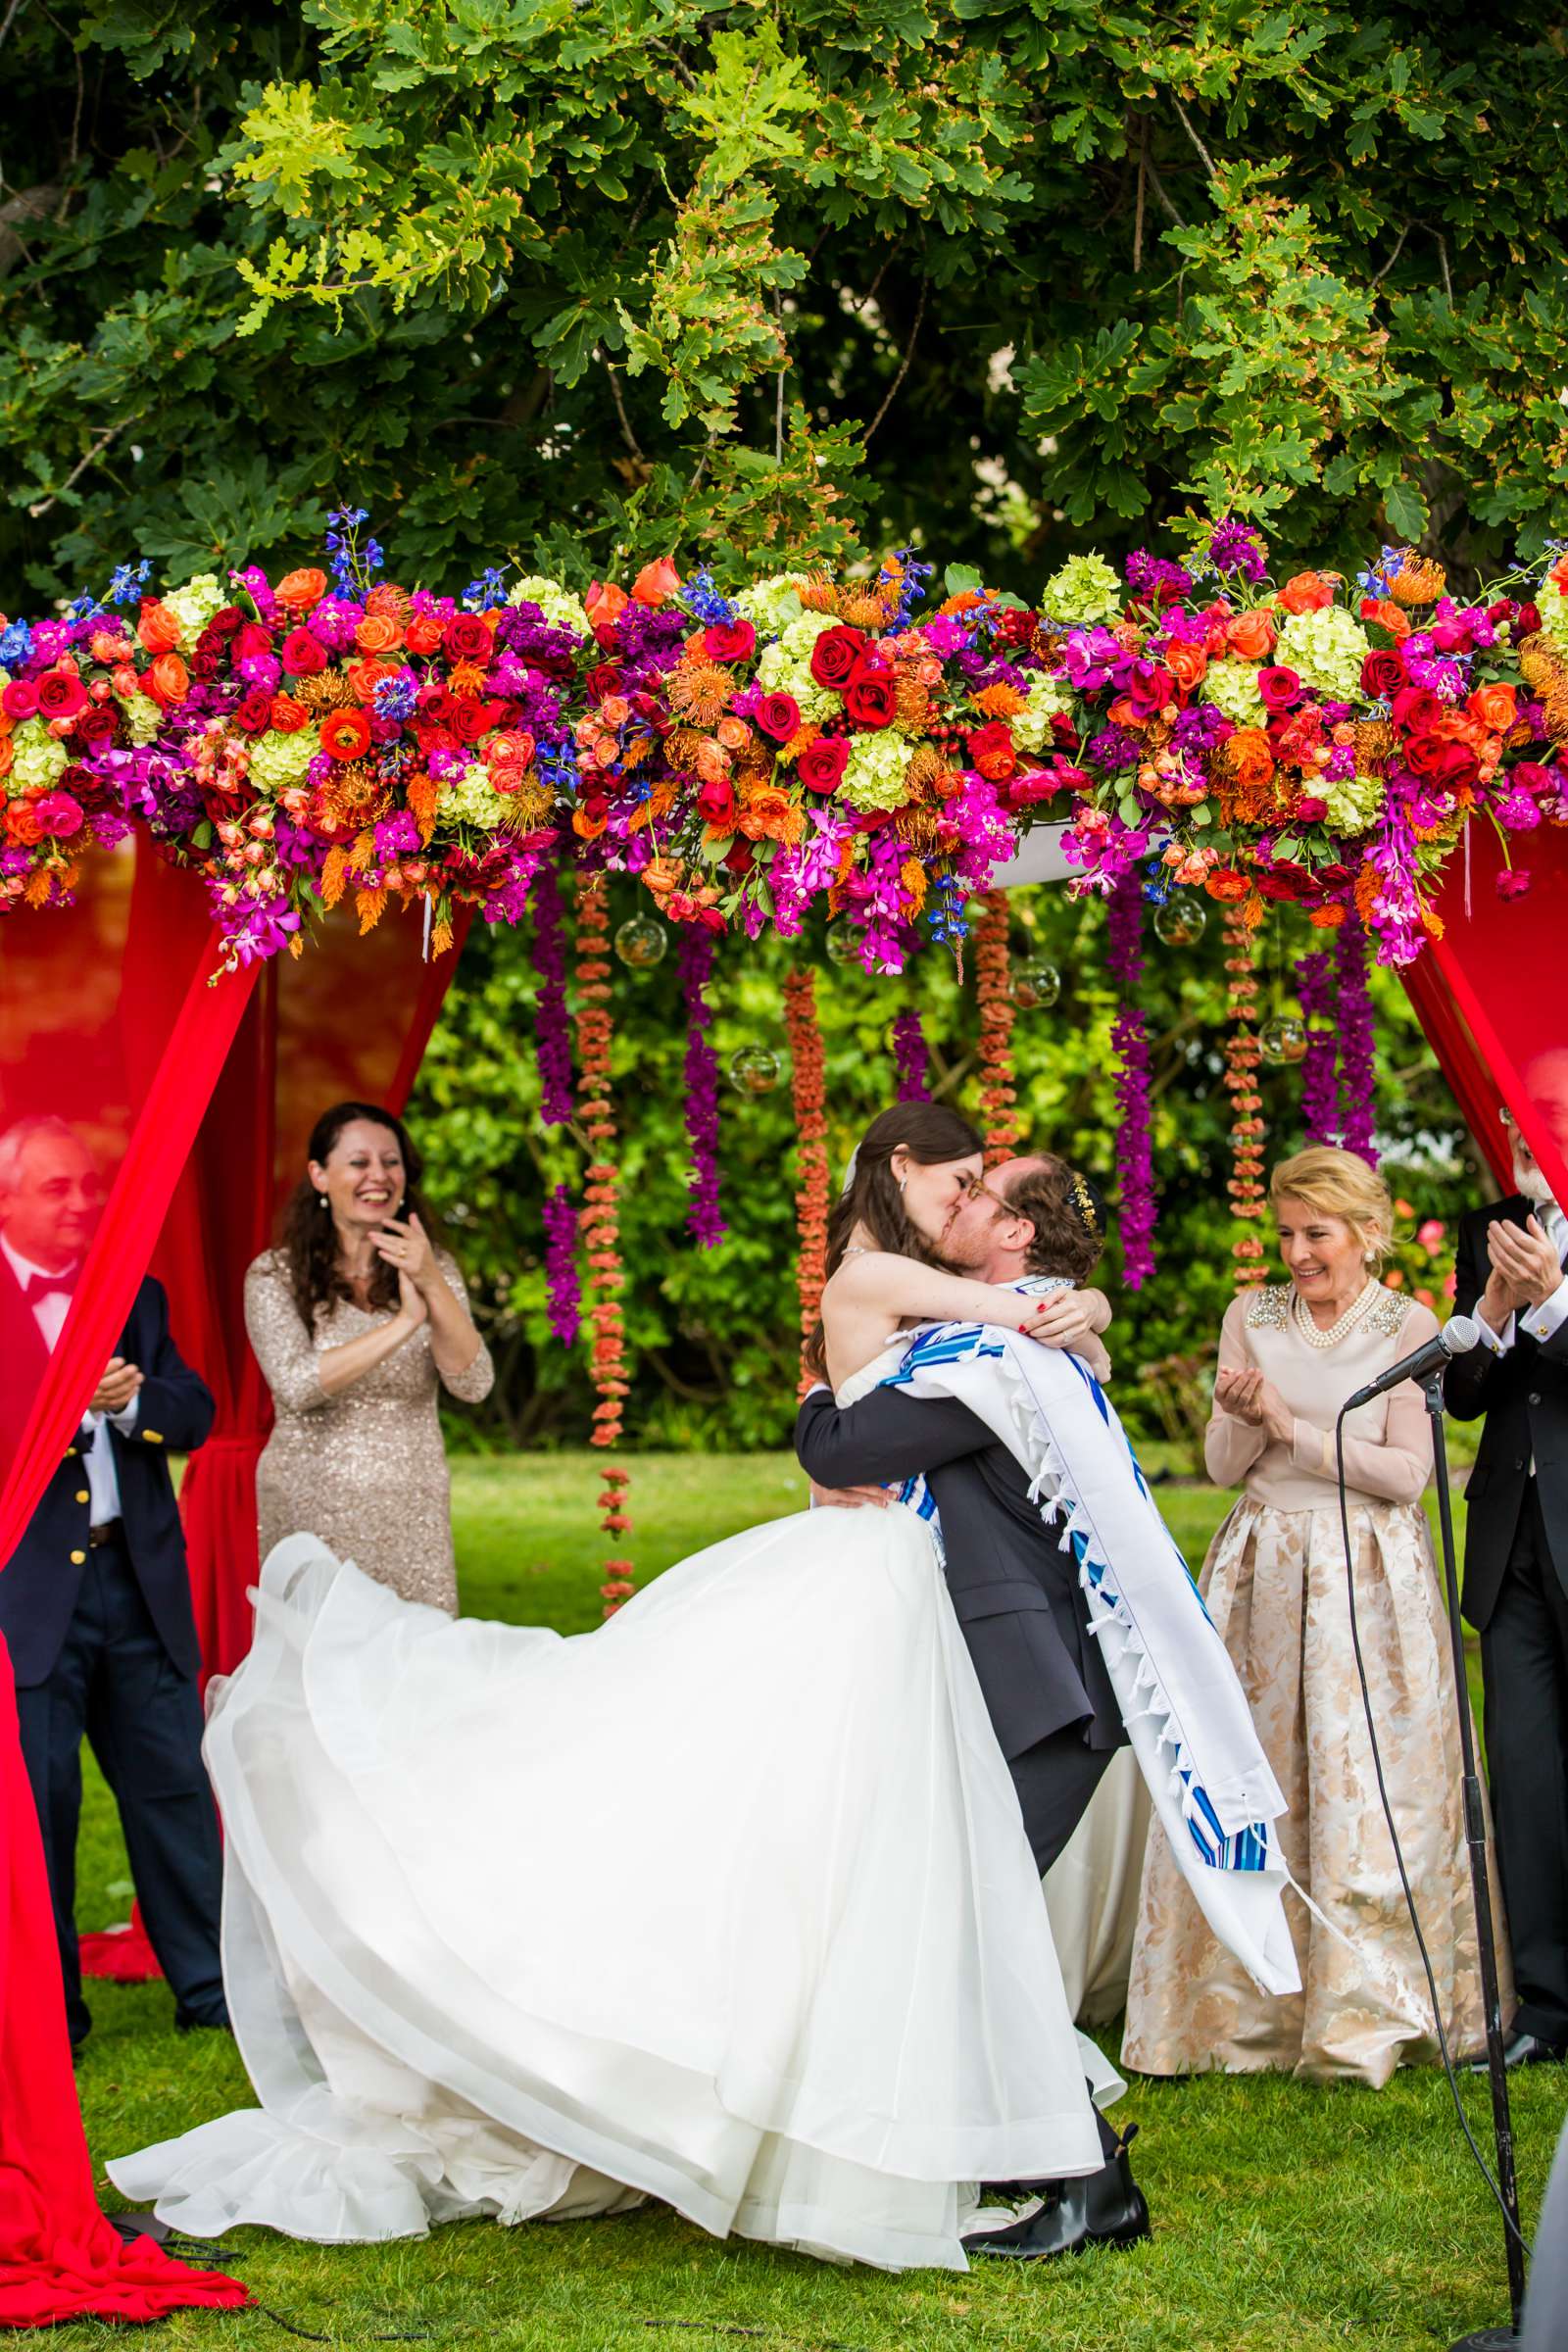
{"points": [[1288, 1356], [358, 1322]]}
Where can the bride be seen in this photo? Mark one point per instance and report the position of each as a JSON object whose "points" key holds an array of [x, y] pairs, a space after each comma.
{"points": [[728, 1904]]}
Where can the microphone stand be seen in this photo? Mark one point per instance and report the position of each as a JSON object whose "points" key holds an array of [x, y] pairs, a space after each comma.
{"points": [[1482, 2339]]}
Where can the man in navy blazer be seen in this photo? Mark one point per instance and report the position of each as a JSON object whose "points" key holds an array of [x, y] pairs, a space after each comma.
{"points": [[95, 1601]]}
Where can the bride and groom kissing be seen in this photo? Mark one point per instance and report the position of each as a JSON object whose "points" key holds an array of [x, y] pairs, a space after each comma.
{"points": [[735, 1902]]}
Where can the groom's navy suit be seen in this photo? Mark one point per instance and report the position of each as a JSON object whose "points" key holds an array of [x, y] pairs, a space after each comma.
{"points": [[1015, 1594]]}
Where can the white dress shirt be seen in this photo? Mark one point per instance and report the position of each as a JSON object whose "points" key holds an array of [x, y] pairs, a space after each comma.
{"points": [[1543, 1320], [49, 1312]]}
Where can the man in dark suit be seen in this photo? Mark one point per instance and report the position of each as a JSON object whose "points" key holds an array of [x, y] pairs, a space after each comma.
{"points": [[95, 1602], [1017, 1597], [1511, 1277]]}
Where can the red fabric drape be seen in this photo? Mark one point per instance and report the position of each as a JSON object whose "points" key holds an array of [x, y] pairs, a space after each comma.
{"points": [[106, 1020], [1490, 1003]]}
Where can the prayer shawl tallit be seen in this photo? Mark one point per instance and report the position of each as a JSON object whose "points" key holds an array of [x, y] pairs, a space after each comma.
{"points": [[1186, 1714]]}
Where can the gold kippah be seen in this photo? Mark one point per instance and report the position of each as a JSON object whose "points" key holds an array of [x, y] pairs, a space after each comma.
{"points": [[1079, 1194]]}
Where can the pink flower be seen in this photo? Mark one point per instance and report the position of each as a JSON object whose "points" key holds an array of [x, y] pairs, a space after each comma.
{"points": [[59, 813], [1513, 882], [1430, 1234]]}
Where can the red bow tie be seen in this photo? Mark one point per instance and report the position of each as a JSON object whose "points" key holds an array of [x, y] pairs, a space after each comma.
{"points": [[47, 1286]]}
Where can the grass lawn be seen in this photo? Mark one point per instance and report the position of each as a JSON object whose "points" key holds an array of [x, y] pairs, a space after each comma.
{"points": [[1287, 2219]]}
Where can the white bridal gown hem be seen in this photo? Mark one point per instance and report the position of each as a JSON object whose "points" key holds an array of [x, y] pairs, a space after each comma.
{"points": [[727, 1904]]}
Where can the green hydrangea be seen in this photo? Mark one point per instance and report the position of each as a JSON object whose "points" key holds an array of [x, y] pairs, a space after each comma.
{"points": [[559, 607], [1048, 698], [146, 718], [1354, 805], [281, 763], [1553, 606], [471, 798], [37, 760], [1232, 687], [1085, 589], [771, 604], [194, 605], [1326, 651], [785, 666], [875, 776]]}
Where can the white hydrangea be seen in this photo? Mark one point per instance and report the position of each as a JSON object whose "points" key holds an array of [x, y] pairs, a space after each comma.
{"points": [[471, 798], [1232, 687], [194, 605], [559, 607], [1553, 602], [37, 759], [1048, 698], [280, 763], [770, 604], [875, 775], [1326, 651], [1083, 591]]}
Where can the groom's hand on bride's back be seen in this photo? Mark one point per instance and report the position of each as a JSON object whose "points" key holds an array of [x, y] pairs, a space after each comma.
{"points": [[850, 1499]]}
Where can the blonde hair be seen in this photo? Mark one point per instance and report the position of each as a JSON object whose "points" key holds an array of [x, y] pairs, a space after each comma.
{"points": [[1339, 1184]]}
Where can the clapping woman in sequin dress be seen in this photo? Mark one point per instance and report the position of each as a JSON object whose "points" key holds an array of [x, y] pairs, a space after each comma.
{"points": [[358, 1322], [1290, 1355]]}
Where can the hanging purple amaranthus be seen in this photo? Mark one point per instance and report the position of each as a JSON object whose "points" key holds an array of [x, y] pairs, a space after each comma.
{"points": [[1353, 1019], [551, 1027], [1320, 1091], [561, 1265], [703, 1222], [913, 1056], [1129, 1038]]}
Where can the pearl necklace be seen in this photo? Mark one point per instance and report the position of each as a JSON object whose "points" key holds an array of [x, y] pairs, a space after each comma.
{"points": [[1323, 1337]]}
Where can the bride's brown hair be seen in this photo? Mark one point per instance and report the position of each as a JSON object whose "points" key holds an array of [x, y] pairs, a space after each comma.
{"points": [[931, 1134]]}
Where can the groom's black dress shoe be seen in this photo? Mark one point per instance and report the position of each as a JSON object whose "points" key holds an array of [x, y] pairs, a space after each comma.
{"points": [[1525, 2049], [1106, 2208]]}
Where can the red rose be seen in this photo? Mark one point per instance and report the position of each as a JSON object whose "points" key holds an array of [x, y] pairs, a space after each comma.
{"points": [[471, 720], [466, 638], [871, 698], [778, 716], [992, 753], [96, 726], [1029, 786], [820, 767], [19, 699], [252, 640], [1309, 810], [1382, 676], [1150, 688], [61, 694], [1415, 711], [739, 859], [205, 667], [1530, 777], [836, 656], [1280, 688], [602, 679], [729, 641], [255, 714], [1526, 622], [302, 655], [1460, 768], [226, 621], [715, 804], [1424, 754]]}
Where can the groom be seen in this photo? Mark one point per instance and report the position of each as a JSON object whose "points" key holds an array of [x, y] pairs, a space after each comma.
{"points": [[1017, 1597]]}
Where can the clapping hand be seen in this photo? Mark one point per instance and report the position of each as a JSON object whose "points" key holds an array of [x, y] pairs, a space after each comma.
{"points": [[1242, 1390], [405, 1244], [120, 1384], [1524, 1269]]}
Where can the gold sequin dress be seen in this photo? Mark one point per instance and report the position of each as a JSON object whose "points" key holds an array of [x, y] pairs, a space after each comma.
{"points": [[1274, 1581], [364, 1470]]}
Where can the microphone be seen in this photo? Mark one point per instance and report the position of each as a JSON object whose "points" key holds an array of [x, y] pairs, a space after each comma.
{"points": [[1457, 1338]]}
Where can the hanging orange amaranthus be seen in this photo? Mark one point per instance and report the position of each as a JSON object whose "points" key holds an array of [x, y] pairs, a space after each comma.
{"points": [[996, 1013], [1242, 1060], [808, 1087], [601, 1219]]}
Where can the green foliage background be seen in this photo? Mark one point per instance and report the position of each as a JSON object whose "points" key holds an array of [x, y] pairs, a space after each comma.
{"points": [[591, 279], [712, 1331]]}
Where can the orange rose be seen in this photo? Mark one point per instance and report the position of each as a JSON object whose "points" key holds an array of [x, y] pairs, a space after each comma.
{"points": [[422, 634], [1185, 664], [106, 646], [298, 591], [1308, 592], [655, 583], [1495, 707], [1250, 756], [7, 755], [22, 826], [511, 750], [168, 680], [606, 602], [366, 677], [288, 715], [586, 827], [379, 633], [1253, 634], [615, 711], [1558, 574], [712, 761], [158, 628], [1387, 614], [733, 733]]}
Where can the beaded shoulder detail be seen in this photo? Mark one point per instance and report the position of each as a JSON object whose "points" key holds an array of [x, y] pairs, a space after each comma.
{"points": [[1268, 1309], [1385, 1317]]}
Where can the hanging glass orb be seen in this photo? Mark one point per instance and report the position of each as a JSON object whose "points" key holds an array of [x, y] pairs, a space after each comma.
{"points": [[843, 941], [1035, 985], [1282, 1038], [1180, 921], [754, 1071], [642, 942]]}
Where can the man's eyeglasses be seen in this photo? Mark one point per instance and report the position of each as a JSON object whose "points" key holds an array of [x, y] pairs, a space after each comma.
{"points": [[977, 1189]]}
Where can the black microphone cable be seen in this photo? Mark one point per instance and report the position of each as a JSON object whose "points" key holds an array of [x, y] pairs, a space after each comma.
{"points": [[1481, 2165]]}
